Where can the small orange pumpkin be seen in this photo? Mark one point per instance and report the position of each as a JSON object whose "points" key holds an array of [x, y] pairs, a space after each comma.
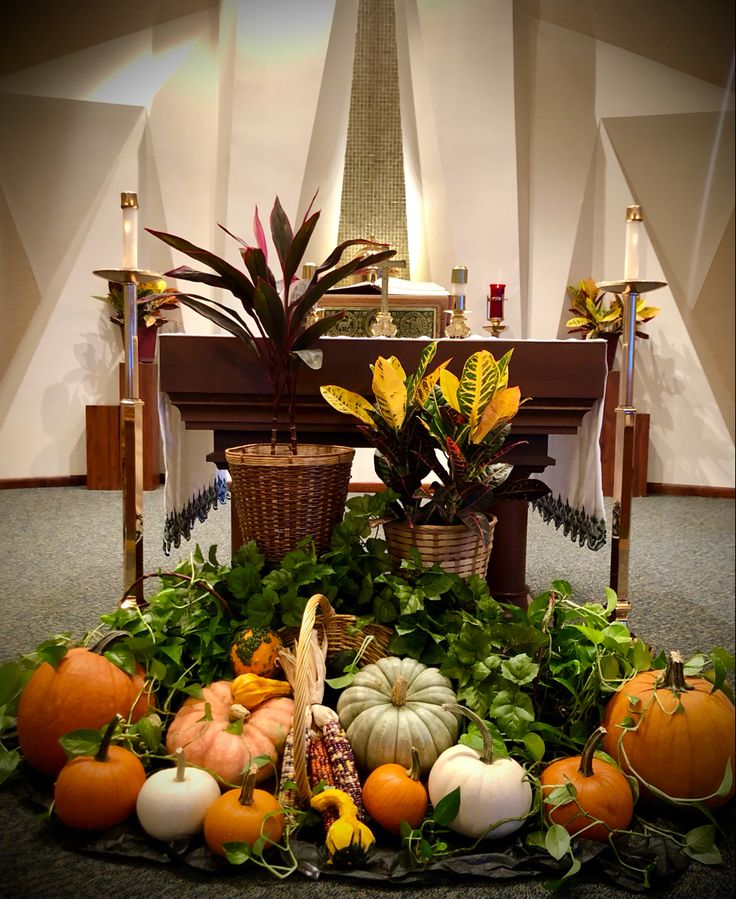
{"points": [[672, 732], [243, 816], [100, 791], [601, 792], [84, 690], [255, 651], [393, 793]]}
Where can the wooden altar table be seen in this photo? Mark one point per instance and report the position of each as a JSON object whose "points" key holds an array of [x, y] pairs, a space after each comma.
{"points": [[218, 386]]}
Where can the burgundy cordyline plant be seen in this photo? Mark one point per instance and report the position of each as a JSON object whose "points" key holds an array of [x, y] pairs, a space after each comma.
{"points": [[274, 326]]}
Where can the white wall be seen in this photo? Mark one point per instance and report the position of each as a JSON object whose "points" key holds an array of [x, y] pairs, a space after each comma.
{"points": [[521, 164]]}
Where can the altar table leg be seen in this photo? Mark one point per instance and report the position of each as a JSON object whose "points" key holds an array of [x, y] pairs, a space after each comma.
{"points": [[507, 566]]}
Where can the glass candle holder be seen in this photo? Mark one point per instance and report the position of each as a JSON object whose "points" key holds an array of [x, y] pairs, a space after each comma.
{"points": [[495, 301]]}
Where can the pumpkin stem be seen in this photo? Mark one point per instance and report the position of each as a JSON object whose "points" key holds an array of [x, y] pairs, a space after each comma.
{"points": [[249, 785], [415, 769], [195, 582], [398, 691], [674, 675], [181, 764], [238, 712], [101, 645], [586, 759], [487, 756], [101, 754]]}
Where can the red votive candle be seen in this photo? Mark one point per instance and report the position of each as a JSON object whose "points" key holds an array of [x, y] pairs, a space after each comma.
{"points": [[495, 301]]}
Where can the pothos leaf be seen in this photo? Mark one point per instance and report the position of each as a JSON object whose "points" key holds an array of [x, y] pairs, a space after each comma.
{"points": [[447, 808], [84, 741], [9, 761], [123, 657], [557, 841]]}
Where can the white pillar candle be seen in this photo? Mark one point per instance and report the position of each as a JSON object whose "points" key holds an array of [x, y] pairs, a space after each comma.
{"points": [[632, 256], [129, 205]]}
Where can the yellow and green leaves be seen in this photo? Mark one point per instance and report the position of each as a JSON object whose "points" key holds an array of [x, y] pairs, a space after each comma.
{"points": [[477, 385], [348, 403], [501, 409], [389, 390], [483, 379]]}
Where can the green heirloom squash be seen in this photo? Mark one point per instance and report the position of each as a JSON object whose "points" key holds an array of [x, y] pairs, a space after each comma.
{"points": [[392, 705]]}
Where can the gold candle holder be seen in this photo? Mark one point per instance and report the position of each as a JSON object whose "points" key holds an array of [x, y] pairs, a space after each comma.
{"points": [[384, 326], [457, 327]]}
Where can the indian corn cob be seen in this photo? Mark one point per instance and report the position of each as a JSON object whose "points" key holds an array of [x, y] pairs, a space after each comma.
{"points": [[320, 771], [340, 754], [288, 795]]}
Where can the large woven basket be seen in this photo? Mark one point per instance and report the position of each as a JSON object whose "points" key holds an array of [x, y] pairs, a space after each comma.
{"points": [[341, 634], [282, 498], [454, 546]]}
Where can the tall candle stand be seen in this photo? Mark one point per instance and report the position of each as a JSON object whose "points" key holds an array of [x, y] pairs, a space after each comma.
{"points": [[131, 407], [623, 477]]}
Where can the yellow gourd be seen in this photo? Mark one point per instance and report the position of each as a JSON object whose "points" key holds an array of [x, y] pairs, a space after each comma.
{"points": [[251, 690], [348, 839]]}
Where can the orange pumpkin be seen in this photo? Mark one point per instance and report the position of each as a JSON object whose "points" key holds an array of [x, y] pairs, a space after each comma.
{"points": [[255, 651], [100, 791], [601, 792], [393, 793], [223, 736], [673, 733], [243, 816], [84, 690]]}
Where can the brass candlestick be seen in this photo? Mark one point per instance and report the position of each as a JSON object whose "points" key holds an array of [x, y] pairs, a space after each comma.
{"points": [[495, 326], [623, 477], [457, 327], [131, 433], [384, 325]]}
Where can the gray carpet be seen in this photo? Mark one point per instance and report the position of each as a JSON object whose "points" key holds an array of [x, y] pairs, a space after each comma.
{"points": [[62, 568]]}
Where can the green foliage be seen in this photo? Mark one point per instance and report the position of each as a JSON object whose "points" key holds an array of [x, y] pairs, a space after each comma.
{"points": [[538, 677], [594, 316], [455, 429], [151, 300]]}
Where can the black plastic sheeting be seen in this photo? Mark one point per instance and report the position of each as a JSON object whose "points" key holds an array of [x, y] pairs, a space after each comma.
{"points": [[508, 860]]}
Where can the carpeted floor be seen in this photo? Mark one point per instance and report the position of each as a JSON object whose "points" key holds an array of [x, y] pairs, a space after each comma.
{"points": [[62, 568]]}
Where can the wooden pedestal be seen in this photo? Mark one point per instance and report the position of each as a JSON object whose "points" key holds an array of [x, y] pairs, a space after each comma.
{"points": [[103, 436], [608, 441]]}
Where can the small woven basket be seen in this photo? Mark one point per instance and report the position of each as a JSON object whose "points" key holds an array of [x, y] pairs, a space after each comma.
{"points": [[454, 546], [280, 499], [341, 634]]}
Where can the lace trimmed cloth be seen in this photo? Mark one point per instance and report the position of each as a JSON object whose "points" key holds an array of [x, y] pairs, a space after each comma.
{"points": [[576, 502], [194, 486]]}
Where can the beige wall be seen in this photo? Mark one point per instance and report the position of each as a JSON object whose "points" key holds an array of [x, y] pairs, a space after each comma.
{"points": [[529, 127]]}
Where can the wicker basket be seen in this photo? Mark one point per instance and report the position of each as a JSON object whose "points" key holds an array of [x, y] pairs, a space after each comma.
{"points": [[340, 635], [280, 499], [454, 546]]}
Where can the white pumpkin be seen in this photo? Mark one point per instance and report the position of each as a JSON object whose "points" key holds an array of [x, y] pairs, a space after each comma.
{"points": [[394, 704], [172, 803], [490, 790]]}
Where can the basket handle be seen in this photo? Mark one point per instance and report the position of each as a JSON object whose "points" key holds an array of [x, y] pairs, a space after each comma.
{"points": [[301, 689]]}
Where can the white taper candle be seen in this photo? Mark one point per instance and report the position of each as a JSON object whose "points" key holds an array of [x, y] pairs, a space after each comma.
{"points": [[129, 205], [632, 256]]}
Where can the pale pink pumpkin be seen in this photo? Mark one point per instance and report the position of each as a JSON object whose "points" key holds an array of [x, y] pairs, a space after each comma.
{"points": [[210, 733]]}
